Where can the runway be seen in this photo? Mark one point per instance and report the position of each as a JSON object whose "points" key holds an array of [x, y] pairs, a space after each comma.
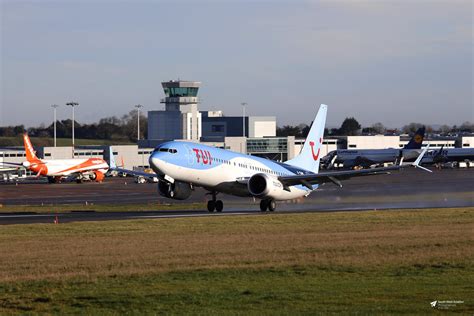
{"points": [[405, 189]]}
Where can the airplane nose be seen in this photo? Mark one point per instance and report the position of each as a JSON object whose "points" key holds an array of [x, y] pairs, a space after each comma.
{"points": [[155, 163]]}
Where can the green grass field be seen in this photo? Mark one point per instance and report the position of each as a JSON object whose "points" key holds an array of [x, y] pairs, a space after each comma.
{"points": [[377, 262], [48, 141]]}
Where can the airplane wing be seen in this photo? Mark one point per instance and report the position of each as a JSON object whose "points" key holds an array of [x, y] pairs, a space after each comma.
{"points": [[11, 163], [364, 162], [336, 176], [333, 176], [136, 173]]}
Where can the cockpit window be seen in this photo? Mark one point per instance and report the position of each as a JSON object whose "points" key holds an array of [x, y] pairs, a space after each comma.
{"points": [[166, 150]]}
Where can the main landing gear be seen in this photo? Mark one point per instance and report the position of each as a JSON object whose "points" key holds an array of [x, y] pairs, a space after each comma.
{"points": [[54, 179], [268, 204], [215, 205]]}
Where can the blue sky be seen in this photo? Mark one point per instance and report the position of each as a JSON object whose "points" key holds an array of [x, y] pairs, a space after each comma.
{"points": [[393, 62]]}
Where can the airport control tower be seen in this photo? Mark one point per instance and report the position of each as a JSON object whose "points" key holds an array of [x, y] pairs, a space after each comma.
{"points": [[181, 118]]}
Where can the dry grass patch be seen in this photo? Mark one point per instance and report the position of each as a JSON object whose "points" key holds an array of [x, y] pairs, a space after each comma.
{"points": [[350, 239]]}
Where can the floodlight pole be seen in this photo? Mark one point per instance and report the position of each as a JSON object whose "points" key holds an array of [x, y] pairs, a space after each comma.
{"points": [[54, 106], [243, 117], [73, 105], [138, 106]]}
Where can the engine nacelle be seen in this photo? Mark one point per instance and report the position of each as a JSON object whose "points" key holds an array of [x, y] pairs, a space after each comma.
{"points": [[177, 190], [98, 176], [261, 185]]}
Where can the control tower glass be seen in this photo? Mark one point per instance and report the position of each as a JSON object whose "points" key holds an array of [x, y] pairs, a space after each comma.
{"points": [[181, 92]]}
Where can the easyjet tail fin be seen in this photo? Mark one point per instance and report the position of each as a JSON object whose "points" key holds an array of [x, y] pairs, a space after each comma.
{"points": [[311, 153], [30, 152]]}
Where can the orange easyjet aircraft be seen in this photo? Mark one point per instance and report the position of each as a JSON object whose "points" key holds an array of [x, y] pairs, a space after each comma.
{"points": [[57, 169]]}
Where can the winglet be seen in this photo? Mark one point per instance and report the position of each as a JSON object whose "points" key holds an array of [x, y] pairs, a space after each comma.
{"points": [[416, 164]]}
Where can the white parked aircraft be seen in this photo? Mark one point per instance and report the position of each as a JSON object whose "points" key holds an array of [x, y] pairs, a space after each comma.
{"points": [[180, 166], [367, 157], [57, 169]]}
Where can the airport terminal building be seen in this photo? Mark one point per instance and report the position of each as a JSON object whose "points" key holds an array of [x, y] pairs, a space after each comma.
{"points": [[181, 119], [276, 148]]}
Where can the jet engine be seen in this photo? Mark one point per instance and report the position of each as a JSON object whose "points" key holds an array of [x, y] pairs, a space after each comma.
{"points": [[98, 176], [263, 186], [177, 190]]}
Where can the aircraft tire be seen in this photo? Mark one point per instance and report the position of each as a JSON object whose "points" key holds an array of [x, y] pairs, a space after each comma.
{"points": [[219, 205], [272, 205], [263, 205], [211, 206]]}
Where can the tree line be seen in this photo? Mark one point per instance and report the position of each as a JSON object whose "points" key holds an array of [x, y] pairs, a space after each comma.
{"points": [[109, 128], [351, 127], [125, 128]]}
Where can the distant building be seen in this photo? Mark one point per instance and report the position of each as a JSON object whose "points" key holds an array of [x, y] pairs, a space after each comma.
{"points": [[465, 141], [277, 148], [372, 142], [217, 127]]}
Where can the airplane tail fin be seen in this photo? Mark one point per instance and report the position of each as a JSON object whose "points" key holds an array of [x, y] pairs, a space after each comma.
{"points": [[417, 139], [112, 164], [30, 152], [310, 154]]}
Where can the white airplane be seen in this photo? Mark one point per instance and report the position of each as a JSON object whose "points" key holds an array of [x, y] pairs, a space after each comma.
{"points": [[181, 166], [367, 157], [57, 169]]}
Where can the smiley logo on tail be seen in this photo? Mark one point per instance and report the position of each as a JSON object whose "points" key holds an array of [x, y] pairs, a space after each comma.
{"points": [[315, 156]]}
